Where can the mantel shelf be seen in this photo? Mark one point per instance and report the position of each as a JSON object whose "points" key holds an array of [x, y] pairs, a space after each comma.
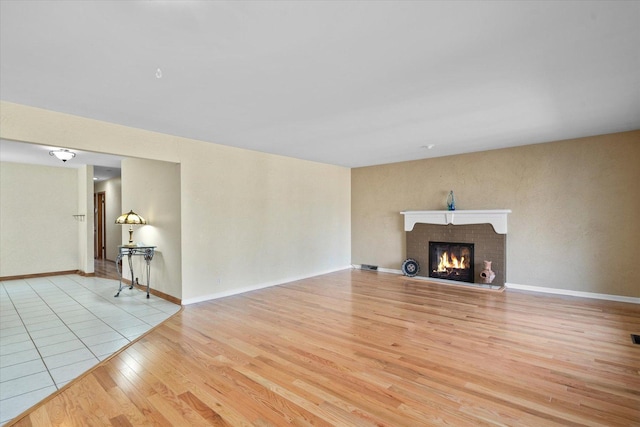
{"points": [[497, 218]]}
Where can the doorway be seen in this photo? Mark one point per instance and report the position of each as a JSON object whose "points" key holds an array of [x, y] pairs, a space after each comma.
{"points": [[100, 226]]}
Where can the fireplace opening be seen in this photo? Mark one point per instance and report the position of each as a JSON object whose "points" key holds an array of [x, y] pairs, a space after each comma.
{"points": [[451, 261]]}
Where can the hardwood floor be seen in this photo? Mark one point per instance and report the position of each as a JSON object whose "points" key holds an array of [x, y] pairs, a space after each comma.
{"points": [[105, 268], [357, 348]]}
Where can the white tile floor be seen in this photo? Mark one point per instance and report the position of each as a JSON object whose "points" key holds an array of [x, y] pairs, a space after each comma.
{"points": [[53, 329]]}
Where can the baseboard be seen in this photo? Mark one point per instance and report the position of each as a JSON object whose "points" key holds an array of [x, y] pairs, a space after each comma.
{"points": [[592, 295], [159, 294], [36, 275], [568, 292], [476, 286], [83, 274], [256, 287], [380, 269], [127, 282]]}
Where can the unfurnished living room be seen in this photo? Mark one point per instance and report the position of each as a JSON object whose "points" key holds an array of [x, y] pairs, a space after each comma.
{"points": [[331, 213]]}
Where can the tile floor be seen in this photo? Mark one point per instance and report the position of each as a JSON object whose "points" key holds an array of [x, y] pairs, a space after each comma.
{"points": [[52, 329]]}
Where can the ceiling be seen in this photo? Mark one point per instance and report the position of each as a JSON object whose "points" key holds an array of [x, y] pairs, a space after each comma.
{"points": [[105, 166], [351, 83]]}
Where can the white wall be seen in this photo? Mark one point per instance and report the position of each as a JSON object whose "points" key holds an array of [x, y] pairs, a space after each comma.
{"points": [[248, 219], [252, 219], [86, 223], [38, 233], [152, 190]]}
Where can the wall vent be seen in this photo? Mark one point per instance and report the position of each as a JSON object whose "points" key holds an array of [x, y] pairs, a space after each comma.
{"points": [[369, 267]]}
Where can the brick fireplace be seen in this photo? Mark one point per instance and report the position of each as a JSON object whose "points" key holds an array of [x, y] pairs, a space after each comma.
{"points": [[484, 230]]}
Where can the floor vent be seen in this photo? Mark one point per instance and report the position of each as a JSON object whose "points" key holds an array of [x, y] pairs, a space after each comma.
{"points": [[635, 339]]}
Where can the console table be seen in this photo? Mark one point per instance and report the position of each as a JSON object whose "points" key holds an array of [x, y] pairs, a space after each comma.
{"points": [[130, 251]]}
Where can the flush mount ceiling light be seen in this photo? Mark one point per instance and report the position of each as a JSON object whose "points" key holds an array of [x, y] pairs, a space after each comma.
{"points": [[62, 154]]}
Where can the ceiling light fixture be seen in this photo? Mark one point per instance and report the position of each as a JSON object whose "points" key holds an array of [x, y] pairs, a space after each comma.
{"points": [[62, 154]]}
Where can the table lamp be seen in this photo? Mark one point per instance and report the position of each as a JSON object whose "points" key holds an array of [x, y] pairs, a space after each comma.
{"points": [[131, 218]]}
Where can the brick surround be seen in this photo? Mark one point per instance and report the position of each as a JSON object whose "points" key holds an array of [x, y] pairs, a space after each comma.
{"points": [[489, 246]]}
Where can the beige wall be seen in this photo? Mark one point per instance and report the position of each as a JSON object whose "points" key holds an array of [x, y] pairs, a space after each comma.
{"points": [[251, 219], [38, 233], [575, 209], [159, 204], [248, 219], [113, 201], [86, 228]]}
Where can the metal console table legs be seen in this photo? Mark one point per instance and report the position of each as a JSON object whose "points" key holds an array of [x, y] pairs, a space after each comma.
{"points": [[146, 251]]}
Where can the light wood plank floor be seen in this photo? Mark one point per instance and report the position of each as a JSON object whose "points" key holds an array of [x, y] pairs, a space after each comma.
{"points": [[105, 268], [358, 348]]}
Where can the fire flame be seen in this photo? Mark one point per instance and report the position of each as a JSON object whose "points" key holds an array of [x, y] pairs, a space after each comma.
{"points": [[446, 263]]}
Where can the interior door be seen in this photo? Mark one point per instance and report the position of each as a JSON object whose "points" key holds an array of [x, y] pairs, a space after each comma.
{"points": [[99, 231]]}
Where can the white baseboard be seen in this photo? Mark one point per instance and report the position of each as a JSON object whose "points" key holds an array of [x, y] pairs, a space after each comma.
{"points": [[380, 269], [569, 292], [390, 270], [255, 287], [542, 289], [437, 281]]}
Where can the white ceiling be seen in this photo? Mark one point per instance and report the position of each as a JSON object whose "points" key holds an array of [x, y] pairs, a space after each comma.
{"points": [[105, 166], [351, 83]]}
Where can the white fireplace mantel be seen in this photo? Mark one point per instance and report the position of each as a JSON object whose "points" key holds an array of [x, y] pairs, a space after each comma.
{"points": [[497, 218]]}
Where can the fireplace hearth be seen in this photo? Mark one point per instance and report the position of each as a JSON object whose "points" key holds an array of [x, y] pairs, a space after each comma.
{"points": [[451, 261], [485, 232]]}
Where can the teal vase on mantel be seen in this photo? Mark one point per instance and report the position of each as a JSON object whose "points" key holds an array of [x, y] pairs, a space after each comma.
{"points": [[451, 201]]}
